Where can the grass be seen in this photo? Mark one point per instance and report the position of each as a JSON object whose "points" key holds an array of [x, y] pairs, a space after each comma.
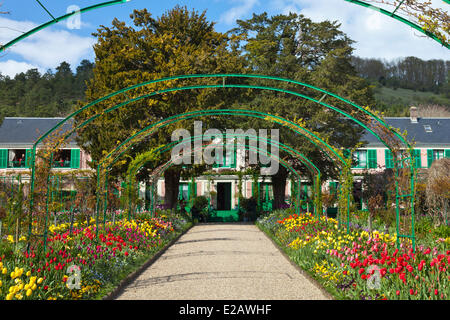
{"points": [[396, 102]]}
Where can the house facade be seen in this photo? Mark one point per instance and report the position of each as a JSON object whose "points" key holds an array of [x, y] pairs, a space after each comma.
{"points": [[431, 138], [17, 136]]}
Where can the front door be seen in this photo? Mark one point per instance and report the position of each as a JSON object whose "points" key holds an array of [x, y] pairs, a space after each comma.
{"points": [[224, 196]]}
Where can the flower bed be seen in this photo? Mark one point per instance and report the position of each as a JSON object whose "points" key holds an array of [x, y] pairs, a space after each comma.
{"points": [[77, 264], [362, 264]]}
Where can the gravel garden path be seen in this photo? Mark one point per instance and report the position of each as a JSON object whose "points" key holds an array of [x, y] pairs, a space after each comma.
{"points": [[222, 262]]}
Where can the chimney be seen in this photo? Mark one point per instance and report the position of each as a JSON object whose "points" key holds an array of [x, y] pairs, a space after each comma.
{"points": [[413, 114]]}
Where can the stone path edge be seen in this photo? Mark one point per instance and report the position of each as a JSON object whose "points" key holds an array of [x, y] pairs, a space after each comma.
{"points": [[132, 276], [297, 267]]}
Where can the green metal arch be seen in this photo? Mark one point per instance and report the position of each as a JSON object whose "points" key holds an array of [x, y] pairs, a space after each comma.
{"points": [[401, 19], [308, 164], [370, 114], [195, 76], [305, 160], [56, 20], [194, 114], [169, 163]]}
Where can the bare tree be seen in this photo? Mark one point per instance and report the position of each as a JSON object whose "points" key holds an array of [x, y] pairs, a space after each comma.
{"points": [[433, 110]]}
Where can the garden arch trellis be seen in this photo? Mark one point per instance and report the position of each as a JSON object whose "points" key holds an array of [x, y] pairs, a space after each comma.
{"points": [[331, 151], [315, 172], [401, 19], [160, 169], [372, 121], [114, 155]]}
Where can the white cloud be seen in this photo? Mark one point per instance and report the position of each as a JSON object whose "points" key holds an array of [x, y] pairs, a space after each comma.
{"points": [[11, 67], [238, 12], [376, 35], [45, 49]]}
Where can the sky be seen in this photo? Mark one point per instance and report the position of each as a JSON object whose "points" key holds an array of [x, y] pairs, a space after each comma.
{"points": [[376, 35]]}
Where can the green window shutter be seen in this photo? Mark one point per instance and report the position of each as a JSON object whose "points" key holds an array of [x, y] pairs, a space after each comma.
{"points": [[417, 159], [332, 187], [75, 158], [28, 156], [180, 191], [3, 158], [372, 158], [447, 153], [388, 159], [430, 157]]}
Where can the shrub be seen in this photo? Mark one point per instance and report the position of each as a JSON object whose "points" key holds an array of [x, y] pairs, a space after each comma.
{"points": [[200, 203]]}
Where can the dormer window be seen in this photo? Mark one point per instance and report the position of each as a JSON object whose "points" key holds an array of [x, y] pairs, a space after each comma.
{"points": [[427, 128]]}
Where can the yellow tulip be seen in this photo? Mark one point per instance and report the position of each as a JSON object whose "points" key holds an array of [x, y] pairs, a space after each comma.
{"points": [[29, 292]]}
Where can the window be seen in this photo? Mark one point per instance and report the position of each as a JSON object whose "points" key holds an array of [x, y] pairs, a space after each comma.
{"points": [[365, 159], [360, 159], [228, 161], [61, 159], [427, 128], [183, 191], [67, 158], [389, 159], [17, 158], [436, 154]]}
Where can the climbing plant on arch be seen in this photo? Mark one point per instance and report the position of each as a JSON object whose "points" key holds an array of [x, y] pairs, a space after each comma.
{"points": [[135, 166], [110, 158], [141, 159], [362, 116]]}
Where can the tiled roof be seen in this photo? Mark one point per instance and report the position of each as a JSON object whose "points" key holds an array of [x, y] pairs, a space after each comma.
{"points": [[27, 130], [15, 130], [426, 132]]}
